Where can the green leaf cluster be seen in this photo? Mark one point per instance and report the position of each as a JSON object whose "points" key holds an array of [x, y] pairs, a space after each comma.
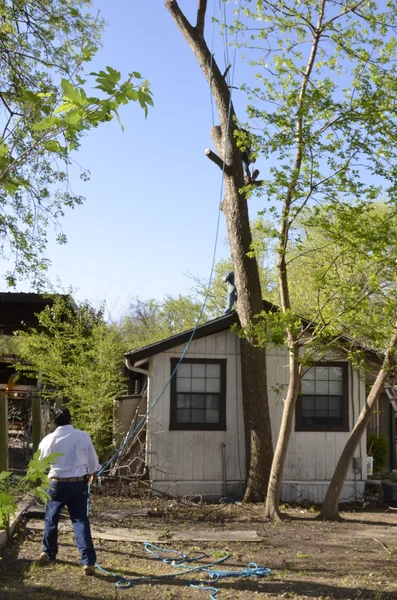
{"points": [[80, 359], [47, 107], [378, 446], [269, 328], [342, 271], [322, 104], [14, 487]]}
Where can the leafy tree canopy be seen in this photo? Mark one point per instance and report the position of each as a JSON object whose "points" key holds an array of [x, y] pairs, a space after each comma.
{"points": [[78, 357], [45, 108]]}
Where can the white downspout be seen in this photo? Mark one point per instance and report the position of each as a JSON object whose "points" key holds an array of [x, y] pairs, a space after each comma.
{"points": [[136, 369]]}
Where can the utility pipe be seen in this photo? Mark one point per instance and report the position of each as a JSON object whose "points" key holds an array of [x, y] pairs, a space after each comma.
{"points": [[147, 373], [223, 448]]}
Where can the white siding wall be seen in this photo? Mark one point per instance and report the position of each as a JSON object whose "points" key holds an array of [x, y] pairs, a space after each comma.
{"points": [[312, 456], [190, 462]]}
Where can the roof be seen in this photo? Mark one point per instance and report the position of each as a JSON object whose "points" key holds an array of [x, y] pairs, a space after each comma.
{"points": [[220, 324], [18, 309]]}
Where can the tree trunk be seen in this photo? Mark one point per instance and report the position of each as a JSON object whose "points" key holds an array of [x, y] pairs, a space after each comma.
{"points": [[330, 509], [274, 489], [277, 468], [259, 449], [258, 434]]}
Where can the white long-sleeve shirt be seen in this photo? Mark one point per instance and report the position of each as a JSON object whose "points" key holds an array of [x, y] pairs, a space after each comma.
{"points": [[78, 453]]}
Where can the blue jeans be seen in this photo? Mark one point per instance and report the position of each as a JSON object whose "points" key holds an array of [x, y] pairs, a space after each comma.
{"points": [[74, 495], [231, 299]]}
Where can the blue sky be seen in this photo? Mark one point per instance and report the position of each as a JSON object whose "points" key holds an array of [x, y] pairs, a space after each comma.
{"points": [[152, 201]]}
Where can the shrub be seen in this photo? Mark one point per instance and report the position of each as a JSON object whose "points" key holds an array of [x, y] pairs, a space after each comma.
{"points": [[14, 487], [378, 446]]}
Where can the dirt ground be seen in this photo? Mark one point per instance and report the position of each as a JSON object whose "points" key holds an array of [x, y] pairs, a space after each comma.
{"points": [[352, 560]]}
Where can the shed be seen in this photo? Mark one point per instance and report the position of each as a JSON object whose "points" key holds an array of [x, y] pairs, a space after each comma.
{"points": [[195, 432]]}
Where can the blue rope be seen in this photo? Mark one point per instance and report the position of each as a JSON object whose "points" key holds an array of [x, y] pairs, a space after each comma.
{"points": [[252, 569], [145, 417], [180, 560]]}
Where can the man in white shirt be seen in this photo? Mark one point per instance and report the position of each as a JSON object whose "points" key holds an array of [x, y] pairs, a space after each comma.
{"points": [[69, 477]]}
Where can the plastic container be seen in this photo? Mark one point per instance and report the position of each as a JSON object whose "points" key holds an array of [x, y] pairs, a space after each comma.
{"points": [[370, 465]]}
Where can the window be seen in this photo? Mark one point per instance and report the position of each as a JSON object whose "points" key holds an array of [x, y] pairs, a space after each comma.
{"points": [[198, 394], [323, 400]]}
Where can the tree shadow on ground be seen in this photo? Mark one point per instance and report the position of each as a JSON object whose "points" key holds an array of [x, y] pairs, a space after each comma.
{"points": [[308, 589], [345, 520]]}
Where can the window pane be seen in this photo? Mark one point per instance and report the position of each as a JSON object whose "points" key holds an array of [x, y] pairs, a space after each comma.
{"points": [[198, 415], [183, 415], [184, 370], [198, 401], [213, 385], [212, 401], [183, 384], [321, 404], [322, 373], [335, 387], [213, 371], [198, 385], [309, 374], [335, 403], [183, 401], [308, 387], [212, 416], [308, 403], [321, 387], [336, 373], [198, 370]]}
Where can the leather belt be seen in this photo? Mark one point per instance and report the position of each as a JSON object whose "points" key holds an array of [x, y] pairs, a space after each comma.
{"points": [[67, 478]]}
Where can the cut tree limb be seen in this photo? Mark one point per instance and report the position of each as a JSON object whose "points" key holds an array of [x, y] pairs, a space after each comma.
{"points": [[215, 159]]}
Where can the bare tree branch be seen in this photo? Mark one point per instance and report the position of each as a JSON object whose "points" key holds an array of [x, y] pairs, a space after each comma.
{"points": [[202, 7]]}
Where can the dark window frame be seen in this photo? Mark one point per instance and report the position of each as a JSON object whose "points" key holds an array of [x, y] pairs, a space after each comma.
{"points": [[300, 426], [221, 425]]}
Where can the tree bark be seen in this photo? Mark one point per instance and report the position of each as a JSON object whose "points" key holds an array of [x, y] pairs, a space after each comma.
{"points": [[259, 449], [330, 510], [272, 510]]}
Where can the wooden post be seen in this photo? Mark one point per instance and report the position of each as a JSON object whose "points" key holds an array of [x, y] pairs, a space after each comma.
{"points": [[3, 432], [36, 421]]}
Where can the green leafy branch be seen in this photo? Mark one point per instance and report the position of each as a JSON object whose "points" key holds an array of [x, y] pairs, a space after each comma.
{"points": [[13, 487]]}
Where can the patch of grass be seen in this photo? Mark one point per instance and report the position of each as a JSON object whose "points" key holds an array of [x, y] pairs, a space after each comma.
{"points": [[217, 554], [34, 568]]}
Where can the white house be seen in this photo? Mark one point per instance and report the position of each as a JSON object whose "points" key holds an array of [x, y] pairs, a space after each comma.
{"points": [[195, 432]]}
